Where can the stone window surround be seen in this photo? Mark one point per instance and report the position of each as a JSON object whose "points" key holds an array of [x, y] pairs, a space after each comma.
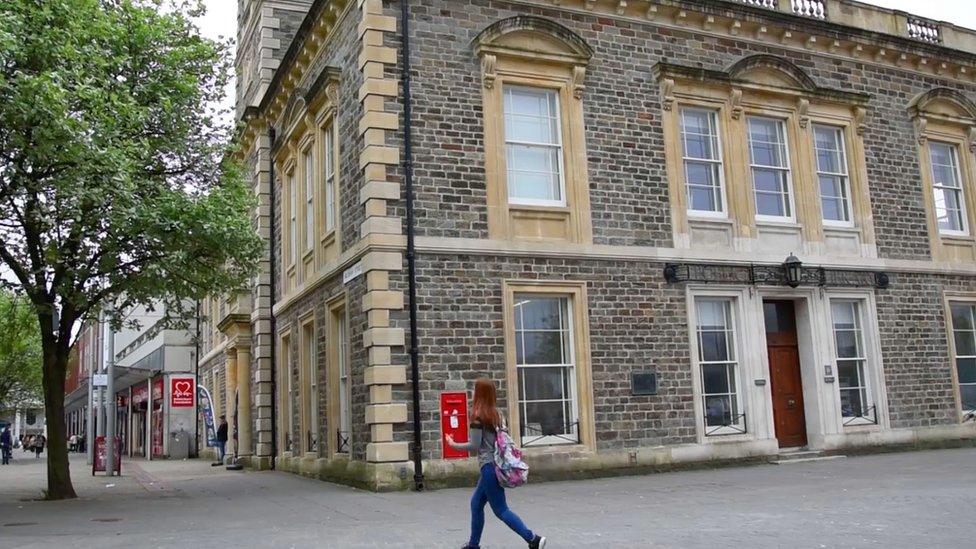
{"points": [[947, 116], [824, 420], [306, 324], [533, 52], [337, 312], [579, 315], [766, 86], [306, 121], [950, 298], [284, 397]]}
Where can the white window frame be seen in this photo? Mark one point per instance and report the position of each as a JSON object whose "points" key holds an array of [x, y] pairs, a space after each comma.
{"points": [[308, 337], [971, 305], [788, 169], [866, 388], [960, 190], [308, 155], [345, 409], [329, 172], [287, 423], [723, 211], [571, 373], [740, 427], [292, 219], [558, 146], [844, 176]]}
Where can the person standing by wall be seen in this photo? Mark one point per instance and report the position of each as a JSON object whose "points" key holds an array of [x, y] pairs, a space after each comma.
{"points": [[39, 442], [6, 444], [221, 439]]}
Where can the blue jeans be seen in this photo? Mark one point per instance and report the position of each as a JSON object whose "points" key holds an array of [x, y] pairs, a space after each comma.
{"points": [[221, 449], [490, 492]]}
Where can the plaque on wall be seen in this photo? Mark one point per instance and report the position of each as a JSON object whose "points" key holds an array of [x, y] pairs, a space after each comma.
{"points": [[643, 383]]}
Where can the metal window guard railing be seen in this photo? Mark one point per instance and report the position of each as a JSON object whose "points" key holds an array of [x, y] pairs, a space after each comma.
{"points": [[925, 31], [527, 430], [735, 426], [864, 416], [342, 442]]}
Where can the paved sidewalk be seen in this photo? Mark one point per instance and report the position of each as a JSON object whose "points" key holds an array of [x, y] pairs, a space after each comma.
{"points": [[910, 500]]}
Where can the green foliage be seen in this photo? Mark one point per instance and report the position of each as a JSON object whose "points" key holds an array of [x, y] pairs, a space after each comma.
{"points": [[117, 183], [20, 352], [115, 178]]}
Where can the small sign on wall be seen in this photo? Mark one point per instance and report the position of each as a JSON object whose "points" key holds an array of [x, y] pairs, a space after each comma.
{"points": [[353, 272], [643, 383], [181, 392]]}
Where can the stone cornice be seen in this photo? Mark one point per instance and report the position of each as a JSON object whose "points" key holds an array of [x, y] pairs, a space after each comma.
{"points": [[741, 21], [598, 252]]}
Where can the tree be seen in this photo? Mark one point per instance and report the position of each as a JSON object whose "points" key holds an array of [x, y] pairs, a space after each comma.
{"points": [[20, 352], [116, 179]]}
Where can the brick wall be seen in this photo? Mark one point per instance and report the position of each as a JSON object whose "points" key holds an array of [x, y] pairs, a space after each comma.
{"points": [[628, 186]]}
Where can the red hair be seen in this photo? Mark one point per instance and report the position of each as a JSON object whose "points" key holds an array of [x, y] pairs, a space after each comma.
{"points": [[483, 409]]}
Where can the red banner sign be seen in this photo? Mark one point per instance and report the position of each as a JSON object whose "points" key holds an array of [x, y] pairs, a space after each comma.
{"points": [[157, 389], [181, 392], [98, 461]]}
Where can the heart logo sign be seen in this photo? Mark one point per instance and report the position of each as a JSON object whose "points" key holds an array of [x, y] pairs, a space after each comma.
{"points": [[181, 393]]}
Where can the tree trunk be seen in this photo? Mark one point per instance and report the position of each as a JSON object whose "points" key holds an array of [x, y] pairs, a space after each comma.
{"points": [[58, 471]]}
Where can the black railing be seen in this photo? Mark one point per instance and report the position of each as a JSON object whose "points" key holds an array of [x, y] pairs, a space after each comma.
{"points": [[342, 442], [570, 434], [734, 425], [862, 416]]}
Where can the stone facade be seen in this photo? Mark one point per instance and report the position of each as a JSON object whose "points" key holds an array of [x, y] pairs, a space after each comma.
{"points": [[630, 67]]}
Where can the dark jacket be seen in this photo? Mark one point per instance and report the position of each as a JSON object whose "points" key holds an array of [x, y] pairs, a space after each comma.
{"points": [[222, 433], [5, 439]]}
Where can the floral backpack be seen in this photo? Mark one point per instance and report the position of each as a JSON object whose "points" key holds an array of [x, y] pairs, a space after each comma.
{"points": [[511, 471]]}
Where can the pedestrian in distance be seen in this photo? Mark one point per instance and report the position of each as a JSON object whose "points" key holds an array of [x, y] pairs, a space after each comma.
{"points": [[6, 444], [485, 425], [29, 443], [221, 439], [39, 442]]}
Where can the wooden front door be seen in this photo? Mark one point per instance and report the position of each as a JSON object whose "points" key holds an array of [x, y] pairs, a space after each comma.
{"points": [[784, 373]]}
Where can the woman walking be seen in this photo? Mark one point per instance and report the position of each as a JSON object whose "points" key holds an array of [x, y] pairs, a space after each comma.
{"points": [[486, 421]]}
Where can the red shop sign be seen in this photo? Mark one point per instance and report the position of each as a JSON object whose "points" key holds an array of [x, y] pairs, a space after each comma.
{"points": [[454, 422], [181, 392], [157, 392]]}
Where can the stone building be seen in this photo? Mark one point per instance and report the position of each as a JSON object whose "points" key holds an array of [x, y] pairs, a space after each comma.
{"points": [[672, 231]]}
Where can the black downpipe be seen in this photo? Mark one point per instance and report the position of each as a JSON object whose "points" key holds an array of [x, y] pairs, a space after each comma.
{"points": [[418, 467], [272, 280], [196, 383]]}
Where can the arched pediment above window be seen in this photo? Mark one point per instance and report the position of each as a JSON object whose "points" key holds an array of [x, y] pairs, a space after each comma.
{"points": [[534, 39], [526, 35], [944, 103], [770, 70]]}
